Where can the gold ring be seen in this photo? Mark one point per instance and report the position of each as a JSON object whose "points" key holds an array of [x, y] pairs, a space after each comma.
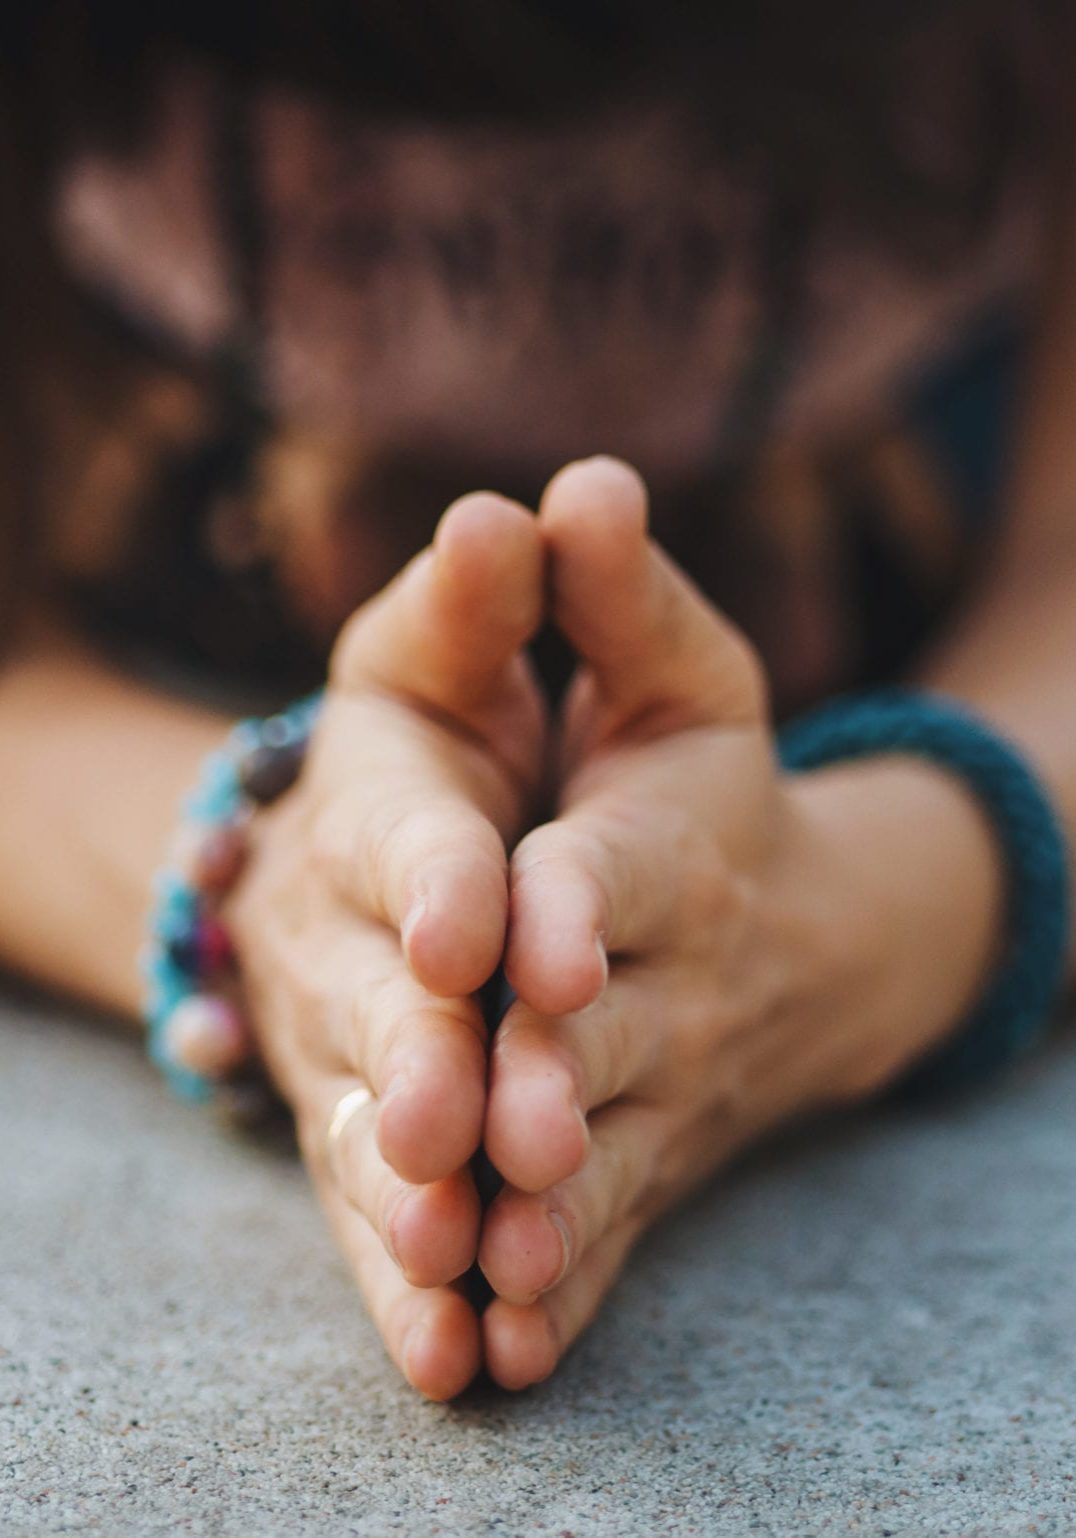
{"points": [[345, 1108]]}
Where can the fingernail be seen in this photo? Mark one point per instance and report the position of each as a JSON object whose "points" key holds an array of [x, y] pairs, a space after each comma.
{"points": [[412, 919], [603, 957], [565, 1243], [390, 1224], [599, 946], [411, 1340]]}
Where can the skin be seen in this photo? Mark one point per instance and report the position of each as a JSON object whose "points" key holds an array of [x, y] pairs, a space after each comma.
{"points": [[378, 904], [769, 946], [669, 934]]}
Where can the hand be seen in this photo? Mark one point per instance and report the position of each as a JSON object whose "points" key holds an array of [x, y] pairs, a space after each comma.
{"points": [[701, 947], [375, 904]]}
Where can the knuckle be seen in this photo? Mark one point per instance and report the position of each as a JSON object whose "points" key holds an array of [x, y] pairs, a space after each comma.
{"points": [[464, 1016], [625, 1171], [731, 674], [347, 658], [749, 677], [332, 846], [445, 827], [706, 1025], [623, 1162], [345, 1016], [485, 840], [404, 1021], [416, 829], [560, 848], [565, 838], [710, 894], [380, 843], [610, 1053], [539, 847], [865, 1077], [518, 1035], [389, 1005], [746, 682], [303, 987], [682, 1152]]}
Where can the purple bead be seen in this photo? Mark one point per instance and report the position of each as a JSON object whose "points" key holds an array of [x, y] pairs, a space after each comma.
{"points": [[270, 770], [203, 950], [209, 855], [183, 952]]}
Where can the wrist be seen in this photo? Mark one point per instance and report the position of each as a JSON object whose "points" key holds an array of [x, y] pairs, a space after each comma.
{"points": [[906, 905], [198, 1034], [92, 765]]}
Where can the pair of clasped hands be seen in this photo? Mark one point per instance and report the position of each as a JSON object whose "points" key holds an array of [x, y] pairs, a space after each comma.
{"points": [[653, 932]]}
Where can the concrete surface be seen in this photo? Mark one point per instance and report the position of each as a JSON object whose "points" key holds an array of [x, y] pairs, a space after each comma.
{"points": [[868, 1331]]}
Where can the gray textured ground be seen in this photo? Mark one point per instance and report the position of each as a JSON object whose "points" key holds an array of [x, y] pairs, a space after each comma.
{"points": [[872, 1331]]}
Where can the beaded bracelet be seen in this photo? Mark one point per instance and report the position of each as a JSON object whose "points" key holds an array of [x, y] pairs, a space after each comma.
{"points": [[1016, 1008], [196, 1030]]}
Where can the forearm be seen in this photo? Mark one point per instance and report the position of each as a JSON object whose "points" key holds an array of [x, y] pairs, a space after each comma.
{"points": [[1013, 659], [898, 881], [907, 897], [1012, 652], [92, 767]]}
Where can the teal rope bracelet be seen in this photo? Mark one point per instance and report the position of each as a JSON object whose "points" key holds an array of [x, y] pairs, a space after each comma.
{"points": [[1016, 1009]]}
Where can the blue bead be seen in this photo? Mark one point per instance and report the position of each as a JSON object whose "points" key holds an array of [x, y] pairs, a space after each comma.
{"points": [[243, 737], [162, 999], [176, 906], [282, 731], [189, 1086], [217, 795], [161, 971]]}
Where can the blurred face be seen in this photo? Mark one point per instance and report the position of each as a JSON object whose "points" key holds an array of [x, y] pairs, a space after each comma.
{"points": [[496, 299], [442, 308]]}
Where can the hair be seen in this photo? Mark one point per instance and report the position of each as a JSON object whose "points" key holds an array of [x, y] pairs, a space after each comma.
{"points": [[813, 98]]}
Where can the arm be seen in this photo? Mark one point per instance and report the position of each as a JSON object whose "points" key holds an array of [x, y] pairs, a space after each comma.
{"points": [[92, 768], [1012, 653]]}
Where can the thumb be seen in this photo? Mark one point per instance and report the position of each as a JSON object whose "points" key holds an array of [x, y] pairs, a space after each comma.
{"points": [[656, 650], [448, 630]]}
